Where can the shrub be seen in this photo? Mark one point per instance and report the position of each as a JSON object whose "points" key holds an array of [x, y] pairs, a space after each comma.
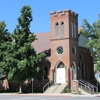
{"points": [[67, 90]]}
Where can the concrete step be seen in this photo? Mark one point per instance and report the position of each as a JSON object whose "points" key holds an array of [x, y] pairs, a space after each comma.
{"points": [[61, 88], [50, 89], [57, 88]]}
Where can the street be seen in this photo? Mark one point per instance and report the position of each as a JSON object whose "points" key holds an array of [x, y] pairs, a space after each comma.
{"points": [[23, 97]]}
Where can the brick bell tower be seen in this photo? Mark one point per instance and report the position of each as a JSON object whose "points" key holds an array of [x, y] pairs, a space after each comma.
{"points": [[64, 46]]}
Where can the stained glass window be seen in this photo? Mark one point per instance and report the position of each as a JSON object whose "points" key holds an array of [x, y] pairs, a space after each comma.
{"points": [[60, 50]]}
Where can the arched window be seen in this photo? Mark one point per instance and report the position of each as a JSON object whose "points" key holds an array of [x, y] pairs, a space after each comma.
{"points": [[61, 65], [62, 29], [74, 75], [81, 66], [72, 33], [45, 72], [56, 30], [74, 30]]}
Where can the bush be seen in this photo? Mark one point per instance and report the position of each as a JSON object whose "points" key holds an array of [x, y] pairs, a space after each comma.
{"points": [[67, 90]]}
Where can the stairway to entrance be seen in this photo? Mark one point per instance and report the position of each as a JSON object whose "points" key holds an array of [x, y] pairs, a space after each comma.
{"points": [[86, 87], [55, 88]]}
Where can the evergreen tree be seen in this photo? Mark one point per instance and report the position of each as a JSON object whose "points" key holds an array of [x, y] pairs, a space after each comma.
{"points": [[5, 41], [26, 61], [20, 60], [92, 32]]}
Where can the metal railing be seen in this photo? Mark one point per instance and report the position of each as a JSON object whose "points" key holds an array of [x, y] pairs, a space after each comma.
{"points": [[58, 83], [87, 86], [50, 84], [55, 84], [46, 86], [84, 87]]}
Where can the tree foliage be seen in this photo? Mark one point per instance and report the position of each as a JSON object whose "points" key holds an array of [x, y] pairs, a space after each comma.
{"points": [[92, 32], [21, 59], [5, 41]]}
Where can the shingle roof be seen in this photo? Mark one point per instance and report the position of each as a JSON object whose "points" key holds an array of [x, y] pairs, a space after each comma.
{"points": [[42, 43]]}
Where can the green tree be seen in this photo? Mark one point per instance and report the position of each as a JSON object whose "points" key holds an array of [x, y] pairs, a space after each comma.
{"points": [[5, 41], [92, 32], [21, 57], [26, 60]]}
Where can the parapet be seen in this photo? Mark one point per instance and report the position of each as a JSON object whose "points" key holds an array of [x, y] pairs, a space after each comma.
{"points": [[60, 13]]}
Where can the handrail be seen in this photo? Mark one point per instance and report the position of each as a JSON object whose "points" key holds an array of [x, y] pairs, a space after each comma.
{"points": [[49, 85], [55, 84], [90, 85], [87, 83], [46, 85], [86, 87]]}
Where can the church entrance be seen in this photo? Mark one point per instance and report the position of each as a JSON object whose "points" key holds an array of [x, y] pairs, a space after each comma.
{"points": [[60, 73]]}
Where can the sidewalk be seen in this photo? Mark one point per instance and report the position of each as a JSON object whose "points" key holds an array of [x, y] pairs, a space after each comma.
{"points": [[53, 95]]}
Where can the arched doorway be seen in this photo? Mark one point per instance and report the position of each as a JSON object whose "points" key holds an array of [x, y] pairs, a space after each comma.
{"points": [[82, 67], [74, 69], [60, 73]]}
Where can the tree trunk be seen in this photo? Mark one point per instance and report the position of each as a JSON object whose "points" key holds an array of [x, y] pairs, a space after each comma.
{"points": [[20, 89]]}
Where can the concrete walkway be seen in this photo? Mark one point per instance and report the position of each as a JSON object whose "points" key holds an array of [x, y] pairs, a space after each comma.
{"points": [[53, 95]]}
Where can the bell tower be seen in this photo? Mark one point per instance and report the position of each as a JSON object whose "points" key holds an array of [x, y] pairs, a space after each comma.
{"points": [[64, 38]]}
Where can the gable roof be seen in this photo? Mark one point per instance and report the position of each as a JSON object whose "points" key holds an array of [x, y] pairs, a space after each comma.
{"points": [[42, 43]]}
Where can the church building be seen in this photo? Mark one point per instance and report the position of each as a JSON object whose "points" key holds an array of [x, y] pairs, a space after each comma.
{"points": [[67, 57]]}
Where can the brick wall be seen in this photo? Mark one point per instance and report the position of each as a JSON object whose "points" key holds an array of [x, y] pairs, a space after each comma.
{"points": [[85, 53]]}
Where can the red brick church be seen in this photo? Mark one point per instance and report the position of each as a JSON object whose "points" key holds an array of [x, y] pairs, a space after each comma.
{"points": [[67, 57]]}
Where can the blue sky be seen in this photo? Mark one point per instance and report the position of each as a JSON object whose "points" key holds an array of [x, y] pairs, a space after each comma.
{"points": [[10, 11]]}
